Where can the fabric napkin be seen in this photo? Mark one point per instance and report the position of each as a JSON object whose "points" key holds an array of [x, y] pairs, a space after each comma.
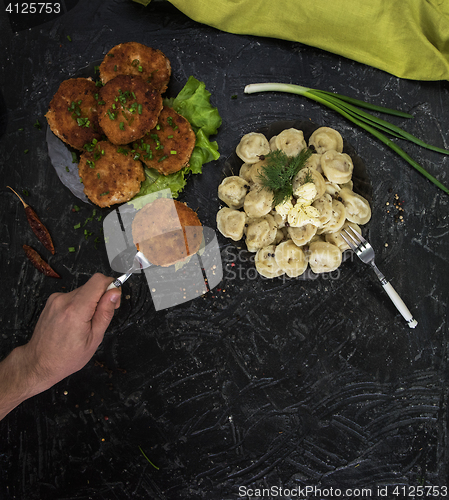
{"points": [[407, 38]]}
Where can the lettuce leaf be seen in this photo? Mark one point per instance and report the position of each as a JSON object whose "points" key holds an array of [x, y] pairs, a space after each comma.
{"points": [[193, 103]]}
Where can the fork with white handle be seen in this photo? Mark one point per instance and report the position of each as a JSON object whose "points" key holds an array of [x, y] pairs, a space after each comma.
{"points": [[365, 252]]}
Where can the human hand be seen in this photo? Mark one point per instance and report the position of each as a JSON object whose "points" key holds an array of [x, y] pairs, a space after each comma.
{"points": [[69, 331]]}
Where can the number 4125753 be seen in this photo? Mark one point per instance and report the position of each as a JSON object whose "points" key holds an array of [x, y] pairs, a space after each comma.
{"points": [[34, 8]]}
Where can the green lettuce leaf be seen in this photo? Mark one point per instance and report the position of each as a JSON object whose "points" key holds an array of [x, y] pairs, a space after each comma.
{"points": [[193, 103]]}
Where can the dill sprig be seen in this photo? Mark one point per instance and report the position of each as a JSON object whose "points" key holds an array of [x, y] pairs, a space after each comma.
{"points": [[278, 172]]}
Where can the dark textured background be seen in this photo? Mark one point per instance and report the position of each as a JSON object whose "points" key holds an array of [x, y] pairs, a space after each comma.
{"points": [[258, 383]]}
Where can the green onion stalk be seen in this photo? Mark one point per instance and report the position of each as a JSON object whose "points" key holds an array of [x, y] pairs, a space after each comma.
{"points": [[346, 106]]}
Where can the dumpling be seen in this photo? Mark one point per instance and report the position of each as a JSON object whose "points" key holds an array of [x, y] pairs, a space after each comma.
{"points": [[326, 138], [233, 190], [324, 257], [255, 172], [314, 161], [260, 233], [357, 207], [258, 202], [302, 235], [324, 207], [338, 218], [309, 175], [244, 171], [337, 167], [290, 258], [231, 223], [266, 264], [252, 146], [290, 141]]}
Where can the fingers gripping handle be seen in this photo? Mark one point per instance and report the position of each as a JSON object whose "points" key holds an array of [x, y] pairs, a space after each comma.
{"points": [[118, 282], [113, 285], [399, 303]]}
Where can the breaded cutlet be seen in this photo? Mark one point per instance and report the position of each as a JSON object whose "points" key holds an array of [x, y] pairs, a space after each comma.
{"points": [[128, 108], [72, 114], [134, 58], [167, 231], [168, 147], [110, 174]]}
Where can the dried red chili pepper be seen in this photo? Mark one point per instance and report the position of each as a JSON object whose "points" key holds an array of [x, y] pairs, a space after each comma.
{"points": [[39, 263], [36, 225]]}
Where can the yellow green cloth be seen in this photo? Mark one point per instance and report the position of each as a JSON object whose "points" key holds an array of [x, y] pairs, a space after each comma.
{"points": [[407, 38]]}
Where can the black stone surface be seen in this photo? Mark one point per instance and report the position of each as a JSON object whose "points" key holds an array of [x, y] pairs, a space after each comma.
{"points": [[259, 383]]}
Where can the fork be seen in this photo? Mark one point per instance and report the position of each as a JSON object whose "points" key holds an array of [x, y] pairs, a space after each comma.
{"points": [[365, 253]]}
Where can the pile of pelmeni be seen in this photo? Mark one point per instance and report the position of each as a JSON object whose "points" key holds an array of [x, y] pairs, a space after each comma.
{"points": [[305, 230]]}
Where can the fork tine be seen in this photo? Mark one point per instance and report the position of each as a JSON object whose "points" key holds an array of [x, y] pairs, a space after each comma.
{"points": [[355, 235], [348, 239]]}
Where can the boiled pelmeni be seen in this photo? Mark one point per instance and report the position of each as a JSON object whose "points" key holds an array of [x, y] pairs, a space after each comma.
{"points": [[258, 202], [252, 146], [290, 258], [323, 257], [290, 141], [255, 172], [260, 233], [231, 223], [302, 235], [244, 171], [314, 161], [332, 188], [357, 207], [309, 175], [338, 218], [324, 207], [233, 190], [337, 167], [325, 139], [266, 264]]}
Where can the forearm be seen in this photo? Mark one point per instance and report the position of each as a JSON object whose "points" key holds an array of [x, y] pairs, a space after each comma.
{"points": [[16, 383]]}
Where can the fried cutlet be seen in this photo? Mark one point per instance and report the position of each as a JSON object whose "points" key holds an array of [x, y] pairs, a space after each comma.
{"points": [[168, 147], [134, 58], [72, 115], [110, 174], [128, 108], [167, 231]]}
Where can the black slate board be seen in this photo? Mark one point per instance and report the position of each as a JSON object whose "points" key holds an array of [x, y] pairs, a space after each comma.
{"points": [[258, 383]]}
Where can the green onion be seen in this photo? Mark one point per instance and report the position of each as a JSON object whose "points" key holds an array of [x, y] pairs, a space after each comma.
{"points": [[372, 124], [148, 460], [72, 249]]}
